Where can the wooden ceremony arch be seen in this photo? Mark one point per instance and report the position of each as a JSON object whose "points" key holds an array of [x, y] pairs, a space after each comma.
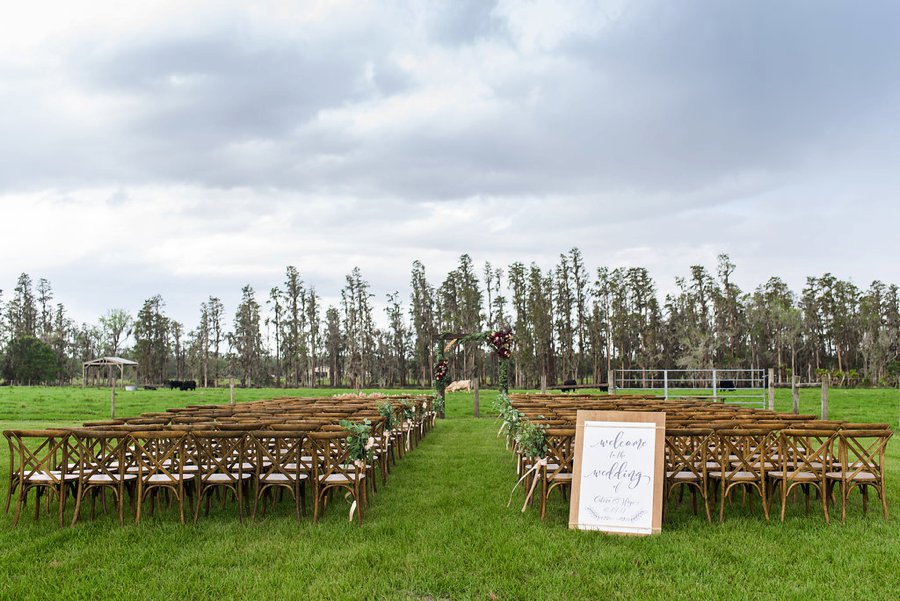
{"points": [[499, 340]]}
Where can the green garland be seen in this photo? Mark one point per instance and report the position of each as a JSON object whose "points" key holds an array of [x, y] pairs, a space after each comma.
{"points": [[531, 440], [386, 410], [441, 378], [503, 375], [408, 410], [358, 439], [509, 415]]}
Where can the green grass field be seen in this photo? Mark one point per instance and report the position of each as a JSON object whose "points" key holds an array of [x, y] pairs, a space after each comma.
{"points": [[440, 529]]}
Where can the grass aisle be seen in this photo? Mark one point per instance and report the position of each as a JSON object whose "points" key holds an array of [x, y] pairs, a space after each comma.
{"points": [[441, 530]]}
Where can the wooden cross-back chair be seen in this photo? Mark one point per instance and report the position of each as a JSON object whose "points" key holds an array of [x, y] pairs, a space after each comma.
{"points": [[804, 458], [744, 455], [221, 465], [43, 466], [687, 463], [860, 464], [334, 470], [102, 464], [160, 457], [280, 462], [558, 471]]}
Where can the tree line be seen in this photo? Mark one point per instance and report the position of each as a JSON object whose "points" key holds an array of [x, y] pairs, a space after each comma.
{"points": [[569, 323]]}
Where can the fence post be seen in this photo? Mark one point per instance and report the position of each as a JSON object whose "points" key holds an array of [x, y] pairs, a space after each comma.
{"points": [[714, 384], [795, 395], [666, 384], [771, 389], [231, 385], [611, 388], [112, 412], [825, 397], [543, 383], [475, 390]]}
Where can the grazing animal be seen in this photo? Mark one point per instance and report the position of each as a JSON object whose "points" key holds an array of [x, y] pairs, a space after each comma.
{"points": [[569, 382], [182, 384], [727, 386], [149, 387], [460, 385]]}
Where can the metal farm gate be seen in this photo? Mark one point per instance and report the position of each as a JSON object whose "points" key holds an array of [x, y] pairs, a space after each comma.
{"points": [[733, 386]]}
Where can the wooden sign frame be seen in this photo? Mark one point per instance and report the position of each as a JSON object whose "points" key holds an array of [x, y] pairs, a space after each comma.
{"points": [[647, 419]]}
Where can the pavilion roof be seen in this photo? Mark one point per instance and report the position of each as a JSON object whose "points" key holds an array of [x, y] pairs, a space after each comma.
{"points": [[104, 361]]}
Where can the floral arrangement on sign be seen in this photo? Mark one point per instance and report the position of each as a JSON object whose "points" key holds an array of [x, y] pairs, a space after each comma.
{"points": [[359, 440]]}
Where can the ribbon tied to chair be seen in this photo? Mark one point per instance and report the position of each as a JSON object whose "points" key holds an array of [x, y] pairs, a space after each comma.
{"points": [[542, 462], [360, 467]]}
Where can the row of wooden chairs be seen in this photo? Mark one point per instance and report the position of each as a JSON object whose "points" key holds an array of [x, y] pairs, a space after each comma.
{"points": [[714, 449], [192, 453]]}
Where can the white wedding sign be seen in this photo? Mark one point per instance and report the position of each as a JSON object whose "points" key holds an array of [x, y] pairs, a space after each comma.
{"points": [[618, 472]]}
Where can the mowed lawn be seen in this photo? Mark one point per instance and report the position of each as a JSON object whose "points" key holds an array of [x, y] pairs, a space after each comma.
{"points": [[441, 529]]}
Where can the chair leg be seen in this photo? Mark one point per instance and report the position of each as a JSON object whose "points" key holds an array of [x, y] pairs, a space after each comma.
{"points": [[77, 511], [197, 506], [844, 494]]}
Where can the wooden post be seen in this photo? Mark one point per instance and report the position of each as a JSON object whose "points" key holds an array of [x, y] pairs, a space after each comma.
{"points": [[231, 385], [543, 383], [825, 396], [112, 412], [611, 385], [475, 390], [795, 395], [771, 389]]}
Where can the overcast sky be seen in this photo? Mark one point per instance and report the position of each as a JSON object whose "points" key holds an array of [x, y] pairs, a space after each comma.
{"points": [[189, 148]]}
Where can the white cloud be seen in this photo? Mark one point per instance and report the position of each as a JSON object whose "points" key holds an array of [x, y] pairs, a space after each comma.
{"points": [[189, 148]]}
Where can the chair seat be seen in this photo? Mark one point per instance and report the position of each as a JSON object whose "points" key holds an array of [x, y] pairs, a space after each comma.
{"points": [[338, 478], [683, 476], [350, 467], [860, 477], [163, 479], [808, 476], [561, 477], [246, 467], [105, 479], [224, 477], [52, 476], [282, 477], [740, 476], [292, 467]]}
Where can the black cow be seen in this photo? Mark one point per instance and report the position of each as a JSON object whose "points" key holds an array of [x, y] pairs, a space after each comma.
{"points": [[182, 384], [569, 382], [727, 386]]}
